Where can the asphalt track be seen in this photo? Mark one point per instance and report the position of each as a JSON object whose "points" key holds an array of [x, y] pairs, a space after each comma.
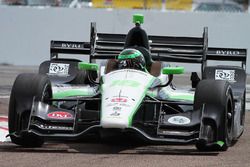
{"points": [[118, 152]]}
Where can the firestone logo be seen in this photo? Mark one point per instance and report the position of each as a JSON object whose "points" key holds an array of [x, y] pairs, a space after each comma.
{"points": [[60, 115]]}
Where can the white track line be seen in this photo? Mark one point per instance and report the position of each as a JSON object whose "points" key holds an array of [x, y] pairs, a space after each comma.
{"points": [[4, 96], [4, 129]]}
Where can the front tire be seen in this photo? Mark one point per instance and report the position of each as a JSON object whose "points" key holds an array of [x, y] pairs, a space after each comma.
{"points": [[25, 88], [216, 99]]}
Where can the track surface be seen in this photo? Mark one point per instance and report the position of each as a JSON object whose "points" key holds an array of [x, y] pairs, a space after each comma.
{"points": [[113, 153]]}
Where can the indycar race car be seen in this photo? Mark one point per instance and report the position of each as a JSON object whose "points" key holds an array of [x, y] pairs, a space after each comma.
{"points": [[131, 92]]}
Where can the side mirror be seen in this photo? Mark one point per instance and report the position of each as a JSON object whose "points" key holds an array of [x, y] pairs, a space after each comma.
{"points": [[173, 70], [88, 66]]}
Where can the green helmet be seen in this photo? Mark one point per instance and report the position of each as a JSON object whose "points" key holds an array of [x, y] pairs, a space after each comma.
{"points": [[131, 58]]}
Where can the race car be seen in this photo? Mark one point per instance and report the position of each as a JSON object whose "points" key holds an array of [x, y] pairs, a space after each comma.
{"points": [[131, 92]]}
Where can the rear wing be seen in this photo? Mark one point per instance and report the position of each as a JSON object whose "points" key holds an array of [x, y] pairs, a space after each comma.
{"points": [[162, 48]]}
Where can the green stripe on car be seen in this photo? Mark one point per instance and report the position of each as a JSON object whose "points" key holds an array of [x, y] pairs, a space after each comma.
{"points": [[70, 93], [182, 97], [129, 83]]}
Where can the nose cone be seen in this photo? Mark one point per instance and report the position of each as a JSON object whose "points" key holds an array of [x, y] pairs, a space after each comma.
{"points": [[118, 111], [122, 93]]}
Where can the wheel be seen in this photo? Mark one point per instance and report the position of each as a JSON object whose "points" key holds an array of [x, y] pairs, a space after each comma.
{"points": [[25, 88], [218, 99]]}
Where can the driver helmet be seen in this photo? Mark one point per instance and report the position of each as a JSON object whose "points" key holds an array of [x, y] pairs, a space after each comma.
{"points": [[131, 58]]}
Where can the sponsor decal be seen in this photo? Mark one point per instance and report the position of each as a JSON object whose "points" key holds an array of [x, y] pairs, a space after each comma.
{"points": [[115, 104], [115, 114], [119, 99], [60, 115], [71, 45], [225, 75], [111, 104], [179, 120], [227, 52], [59, 69], [56, 127], [117, 108], [124, 105]]}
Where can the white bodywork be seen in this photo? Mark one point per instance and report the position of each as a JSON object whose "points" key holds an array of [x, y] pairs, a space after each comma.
{"points": [[123, 92]]}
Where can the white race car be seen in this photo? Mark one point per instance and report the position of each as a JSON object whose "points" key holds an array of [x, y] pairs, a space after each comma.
{"points": [[132, 92]]}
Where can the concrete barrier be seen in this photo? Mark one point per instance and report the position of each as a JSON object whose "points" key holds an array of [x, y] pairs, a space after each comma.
{"points": [[25, 33]]}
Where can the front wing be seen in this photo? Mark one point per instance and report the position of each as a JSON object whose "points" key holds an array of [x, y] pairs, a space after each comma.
{"points": [[148, 124]]}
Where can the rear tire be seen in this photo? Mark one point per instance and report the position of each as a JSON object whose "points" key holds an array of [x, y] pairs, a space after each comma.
{"points": [[216, 95], [25, 88]]}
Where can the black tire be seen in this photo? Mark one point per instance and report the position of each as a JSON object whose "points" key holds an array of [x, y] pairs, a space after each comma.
{"points": [[25, 88], [216, 94]]}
